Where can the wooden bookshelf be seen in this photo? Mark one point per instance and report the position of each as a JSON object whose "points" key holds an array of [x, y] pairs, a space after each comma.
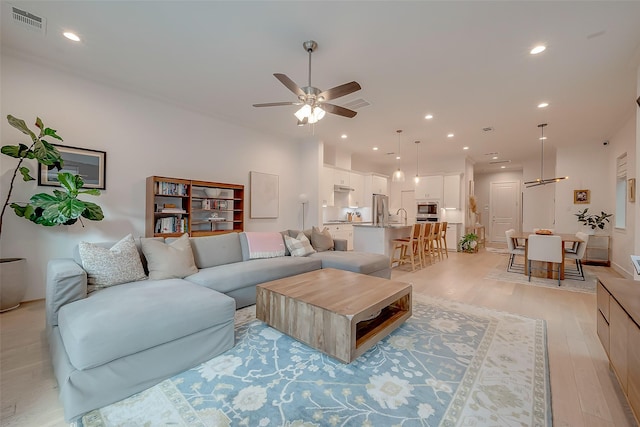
{"points": [[175, 206]]}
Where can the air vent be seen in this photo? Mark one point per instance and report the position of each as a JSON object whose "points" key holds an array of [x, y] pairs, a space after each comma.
{"points": [[29, 20], [487, 129], [497, 162], [357, 103]]}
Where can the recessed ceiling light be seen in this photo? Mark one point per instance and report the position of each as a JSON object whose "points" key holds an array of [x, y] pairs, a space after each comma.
{"points": [[465, 148], [450, 135], [343, 136], [542, 138], [375, 148], [538, 49], [397, 157], [429, 116], [494, 158], [503, 167], [543, 105], [71, 36]]}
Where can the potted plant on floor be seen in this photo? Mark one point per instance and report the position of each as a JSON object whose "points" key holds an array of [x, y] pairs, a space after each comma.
{"points": [[468, 243], [60, 208], [593, 221]]}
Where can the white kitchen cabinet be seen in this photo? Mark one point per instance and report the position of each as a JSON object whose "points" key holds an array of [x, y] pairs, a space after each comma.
{"points": [[356, 197], [374, 184], [451, 192], [429, 187], [342, 231], [326, 187], [453, 236], [341, 177]]}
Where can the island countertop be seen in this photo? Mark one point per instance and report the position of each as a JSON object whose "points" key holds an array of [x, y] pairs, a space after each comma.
{"points": [[378, 238], [369, 225]]}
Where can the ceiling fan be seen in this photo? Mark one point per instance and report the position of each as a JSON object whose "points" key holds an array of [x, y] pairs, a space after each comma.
{"points": [[312, 99]]}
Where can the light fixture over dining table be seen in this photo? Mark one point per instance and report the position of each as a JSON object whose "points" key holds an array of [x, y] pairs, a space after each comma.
{"points": [[542, 180]]}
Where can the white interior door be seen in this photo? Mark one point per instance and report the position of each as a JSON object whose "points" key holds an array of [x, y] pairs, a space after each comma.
{"points": [[503, 208]]}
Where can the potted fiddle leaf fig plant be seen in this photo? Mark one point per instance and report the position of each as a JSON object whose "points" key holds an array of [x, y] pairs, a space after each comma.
{"points": [[63, 207]]}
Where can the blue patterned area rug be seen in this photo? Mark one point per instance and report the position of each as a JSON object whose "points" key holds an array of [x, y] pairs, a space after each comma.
{"points": [[450, 364]]}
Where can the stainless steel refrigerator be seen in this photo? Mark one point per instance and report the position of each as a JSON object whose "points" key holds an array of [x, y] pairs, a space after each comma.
{"points": [[380, 209]]}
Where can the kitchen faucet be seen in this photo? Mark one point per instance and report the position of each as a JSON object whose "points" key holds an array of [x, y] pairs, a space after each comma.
{"points": [[405, 214]]}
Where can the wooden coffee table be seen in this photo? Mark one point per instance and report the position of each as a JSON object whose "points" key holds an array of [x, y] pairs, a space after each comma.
{"points": [[340, 313]]}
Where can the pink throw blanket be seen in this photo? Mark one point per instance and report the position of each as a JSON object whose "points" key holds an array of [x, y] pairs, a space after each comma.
{"points": [[265, 244]]}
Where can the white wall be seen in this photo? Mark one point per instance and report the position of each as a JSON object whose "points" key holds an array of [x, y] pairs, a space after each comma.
{"points": [[538, 203], [142, 137], [622, 240]]}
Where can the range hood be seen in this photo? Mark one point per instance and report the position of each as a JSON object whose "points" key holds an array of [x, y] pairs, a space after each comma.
{"points": [[342, 188]]}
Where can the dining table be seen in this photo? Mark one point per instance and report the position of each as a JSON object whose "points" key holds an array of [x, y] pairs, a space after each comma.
{"points": [[524, 238]]}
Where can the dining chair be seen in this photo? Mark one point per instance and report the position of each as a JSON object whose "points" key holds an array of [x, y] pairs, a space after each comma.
{"points": [[408, 249], [545, 248], [577, 255], [514, 250], [443, 238]]}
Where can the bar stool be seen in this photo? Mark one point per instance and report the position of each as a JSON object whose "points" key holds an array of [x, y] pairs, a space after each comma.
{"points": [[425, 242], [409, 249], [443, 238], [436, 244]]}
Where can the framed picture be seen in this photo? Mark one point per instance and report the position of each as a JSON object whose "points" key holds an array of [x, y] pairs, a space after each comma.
{"points": [[581, 197], [89, 164], [264, 195], [631, 188]]}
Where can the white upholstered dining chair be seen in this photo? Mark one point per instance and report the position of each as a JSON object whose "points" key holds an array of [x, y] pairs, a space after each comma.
{"points": [[514, 250], [577, 255], [546, 249]]}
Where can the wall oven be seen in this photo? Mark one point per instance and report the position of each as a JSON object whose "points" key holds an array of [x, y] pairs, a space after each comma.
{"points": [[427, 211]]}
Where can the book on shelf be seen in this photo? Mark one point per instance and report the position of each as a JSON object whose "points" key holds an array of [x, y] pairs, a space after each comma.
{"points": [[172, 210], [171, 224], [171, 189]]}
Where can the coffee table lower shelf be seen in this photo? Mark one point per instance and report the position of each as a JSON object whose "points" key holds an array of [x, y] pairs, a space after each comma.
{"points": [[340, 313]]}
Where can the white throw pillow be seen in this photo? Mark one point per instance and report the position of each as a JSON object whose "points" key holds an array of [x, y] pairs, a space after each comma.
{"points": [[300, 246], [111, 266], [169, 261]]}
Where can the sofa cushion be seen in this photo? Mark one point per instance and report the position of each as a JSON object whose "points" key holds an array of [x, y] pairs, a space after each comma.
{"points": [[76, 250], [298, 246], [229, 277], [358, 262], [209, 251], [172, 260], [115, 265], [123, 320], [321, 240], [264, 244]]}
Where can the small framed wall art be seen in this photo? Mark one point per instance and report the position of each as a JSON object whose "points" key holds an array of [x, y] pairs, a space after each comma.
{"points": [[581, 197], [89, 164], [264, 195], [631, 188]]}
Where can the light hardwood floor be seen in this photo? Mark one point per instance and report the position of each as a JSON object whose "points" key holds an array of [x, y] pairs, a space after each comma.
{"points": [[584, 390]]}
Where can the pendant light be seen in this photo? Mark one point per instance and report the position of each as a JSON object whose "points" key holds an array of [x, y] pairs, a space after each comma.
{"points": [[542, 180], [417, 178], [398, 176]]}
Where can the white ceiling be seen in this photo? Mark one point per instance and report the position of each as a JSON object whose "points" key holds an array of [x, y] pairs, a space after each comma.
{"points": [[467, 63]]}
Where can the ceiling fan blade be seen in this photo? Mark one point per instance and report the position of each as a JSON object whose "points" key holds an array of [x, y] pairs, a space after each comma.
{"points": [[290, 84], [276, 104], [336, 109], [339, 91]]}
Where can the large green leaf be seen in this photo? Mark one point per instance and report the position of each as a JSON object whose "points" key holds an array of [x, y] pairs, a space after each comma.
{"points": [[64, 210], [46, 153], [51, 132], [70, 182], [21, 126], [18, 151], [90, 191], [92, 212]]}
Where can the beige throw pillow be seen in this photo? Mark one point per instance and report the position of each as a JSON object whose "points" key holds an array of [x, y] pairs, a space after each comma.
{"points": [[300, 246], [111, 266], [169, 261], [321, 240]]}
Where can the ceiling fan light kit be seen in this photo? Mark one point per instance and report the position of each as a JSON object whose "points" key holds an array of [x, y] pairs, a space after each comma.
{"points": [[542, 181], [312, 99]]}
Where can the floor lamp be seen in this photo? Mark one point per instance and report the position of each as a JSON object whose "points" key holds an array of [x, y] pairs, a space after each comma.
{"points": [[304, 200]]}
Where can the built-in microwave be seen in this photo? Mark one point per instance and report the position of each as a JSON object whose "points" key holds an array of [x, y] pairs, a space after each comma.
{"points": [[427, 211]]}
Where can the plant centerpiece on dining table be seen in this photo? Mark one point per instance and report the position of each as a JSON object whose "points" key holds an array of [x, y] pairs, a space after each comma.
{"points": [[468, 243], [593, 220]]}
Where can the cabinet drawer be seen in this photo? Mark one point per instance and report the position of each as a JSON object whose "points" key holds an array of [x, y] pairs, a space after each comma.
{"points": [[602, 296], [633, 384], [603, 331], [618, 346]]}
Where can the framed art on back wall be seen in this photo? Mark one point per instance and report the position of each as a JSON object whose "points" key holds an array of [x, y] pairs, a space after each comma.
{"points": [[89, 164]]}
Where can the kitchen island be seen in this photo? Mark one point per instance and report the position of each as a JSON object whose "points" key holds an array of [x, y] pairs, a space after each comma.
{"points": [[378, 238]]}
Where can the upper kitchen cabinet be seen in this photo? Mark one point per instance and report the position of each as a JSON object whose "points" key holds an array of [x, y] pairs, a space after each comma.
{"points": [[451, 196], [326, 187], [374, 184], [429, 187], [341, 177], [356, 197]]}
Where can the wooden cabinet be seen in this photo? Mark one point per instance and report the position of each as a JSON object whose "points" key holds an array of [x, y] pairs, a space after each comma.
{"points": [[598, 251], [356, 197], [429, 187], [451, 192], [176, 206], [618, 302]]}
